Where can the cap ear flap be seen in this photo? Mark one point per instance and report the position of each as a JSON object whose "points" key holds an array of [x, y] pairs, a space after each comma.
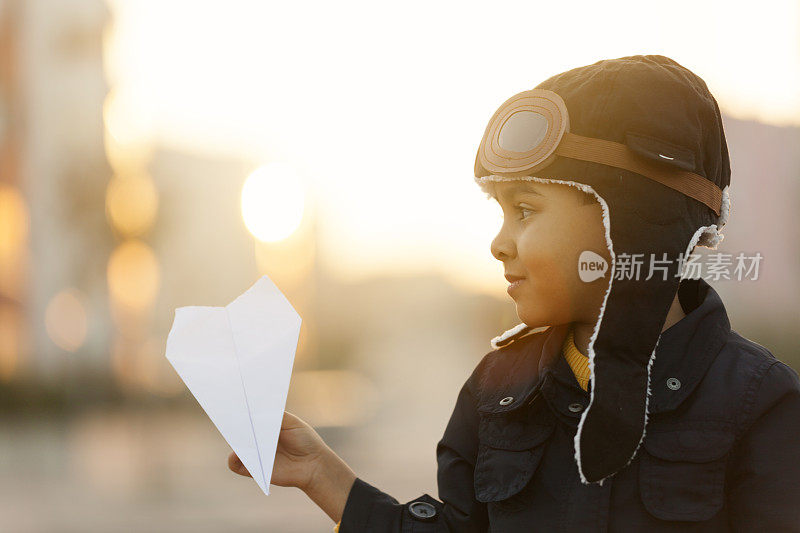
{"points": [[660, 150]]}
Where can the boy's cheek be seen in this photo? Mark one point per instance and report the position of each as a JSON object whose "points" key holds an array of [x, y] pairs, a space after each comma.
{"points": [[548, 272], [545, 300]]}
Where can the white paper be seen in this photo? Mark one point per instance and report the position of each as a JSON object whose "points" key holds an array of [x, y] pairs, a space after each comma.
{"points": [[237, 362]]}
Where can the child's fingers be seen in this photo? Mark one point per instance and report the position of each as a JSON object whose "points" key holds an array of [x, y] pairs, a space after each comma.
{"points": [[235, 465]]}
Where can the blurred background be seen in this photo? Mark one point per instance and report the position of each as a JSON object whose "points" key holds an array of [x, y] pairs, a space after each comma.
{"points": [[158, 154]]}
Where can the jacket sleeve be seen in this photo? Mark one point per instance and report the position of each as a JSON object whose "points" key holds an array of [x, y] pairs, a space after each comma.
{"points": [[764, 494], [370, 509]]}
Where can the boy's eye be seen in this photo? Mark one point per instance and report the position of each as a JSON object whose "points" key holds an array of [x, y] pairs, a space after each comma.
{"points": [[525, 212]]}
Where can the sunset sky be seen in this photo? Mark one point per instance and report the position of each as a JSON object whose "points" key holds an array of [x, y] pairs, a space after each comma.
{"points": [[380, 108]]}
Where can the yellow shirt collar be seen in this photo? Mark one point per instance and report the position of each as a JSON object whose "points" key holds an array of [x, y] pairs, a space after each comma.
{"points": [[577, 361]]}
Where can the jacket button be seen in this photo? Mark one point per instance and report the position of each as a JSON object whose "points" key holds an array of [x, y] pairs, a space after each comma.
{"points": [[674, 383], [507, 400], [422, 511], [575, 407]]}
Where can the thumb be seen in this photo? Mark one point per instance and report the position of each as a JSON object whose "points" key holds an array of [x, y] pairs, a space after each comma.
{"points": [[235, 465]]}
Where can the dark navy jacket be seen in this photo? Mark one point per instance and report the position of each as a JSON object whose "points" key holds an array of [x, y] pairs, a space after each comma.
{"points": [[721, 450]]}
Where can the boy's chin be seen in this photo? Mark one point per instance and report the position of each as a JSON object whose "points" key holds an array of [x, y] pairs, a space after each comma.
{"points": [[533, 316]]}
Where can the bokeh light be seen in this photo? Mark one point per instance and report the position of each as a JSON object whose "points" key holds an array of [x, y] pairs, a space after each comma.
{"points": [[13, 221], [131, 204], [65, 319], [13, 235], [133, 275]]}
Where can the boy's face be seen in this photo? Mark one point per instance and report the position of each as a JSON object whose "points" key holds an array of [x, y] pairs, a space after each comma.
{"points": [[545, 229]]}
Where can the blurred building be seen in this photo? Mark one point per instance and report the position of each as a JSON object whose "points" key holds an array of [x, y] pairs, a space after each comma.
{"points": [[13, 207], [54, 172]]}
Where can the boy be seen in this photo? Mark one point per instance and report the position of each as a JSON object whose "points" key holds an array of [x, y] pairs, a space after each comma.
{"points": [[624, 401]]}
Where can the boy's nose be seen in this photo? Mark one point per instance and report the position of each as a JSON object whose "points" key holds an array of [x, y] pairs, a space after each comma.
{"points": [[502, 247]]}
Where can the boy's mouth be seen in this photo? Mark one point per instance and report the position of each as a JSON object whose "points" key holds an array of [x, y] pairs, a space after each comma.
{"points": [[515, 282]]}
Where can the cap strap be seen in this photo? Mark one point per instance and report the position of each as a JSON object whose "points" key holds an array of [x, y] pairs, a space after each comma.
{"points": [[621, 156]]}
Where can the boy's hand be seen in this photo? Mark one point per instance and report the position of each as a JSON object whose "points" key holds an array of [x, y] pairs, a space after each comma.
{"points": [[297, 456], [303, 460]]}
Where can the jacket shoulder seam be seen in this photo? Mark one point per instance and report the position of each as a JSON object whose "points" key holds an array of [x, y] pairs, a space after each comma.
{"points": [[751, 394]]}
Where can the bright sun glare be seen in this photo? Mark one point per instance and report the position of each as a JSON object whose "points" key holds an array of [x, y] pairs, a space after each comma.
{"points": [[273, 200]]}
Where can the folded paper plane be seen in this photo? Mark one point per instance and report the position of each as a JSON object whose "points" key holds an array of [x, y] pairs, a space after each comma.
{"points": [[237, 362]]}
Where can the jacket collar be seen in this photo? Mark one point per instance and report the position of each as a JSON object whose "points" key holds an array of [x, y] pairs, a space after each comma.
{"points": [[686, 349], [684, 352], [512, 375]]}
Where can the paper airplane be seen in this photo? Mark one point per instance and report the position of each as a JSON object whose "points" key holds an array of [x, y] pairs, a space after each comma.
{"points": [[237, 361]]}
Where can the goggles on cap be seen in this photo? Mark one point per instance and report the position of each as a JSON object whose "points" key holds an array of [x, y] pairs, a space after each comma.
{"points": [[531, 129]]}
